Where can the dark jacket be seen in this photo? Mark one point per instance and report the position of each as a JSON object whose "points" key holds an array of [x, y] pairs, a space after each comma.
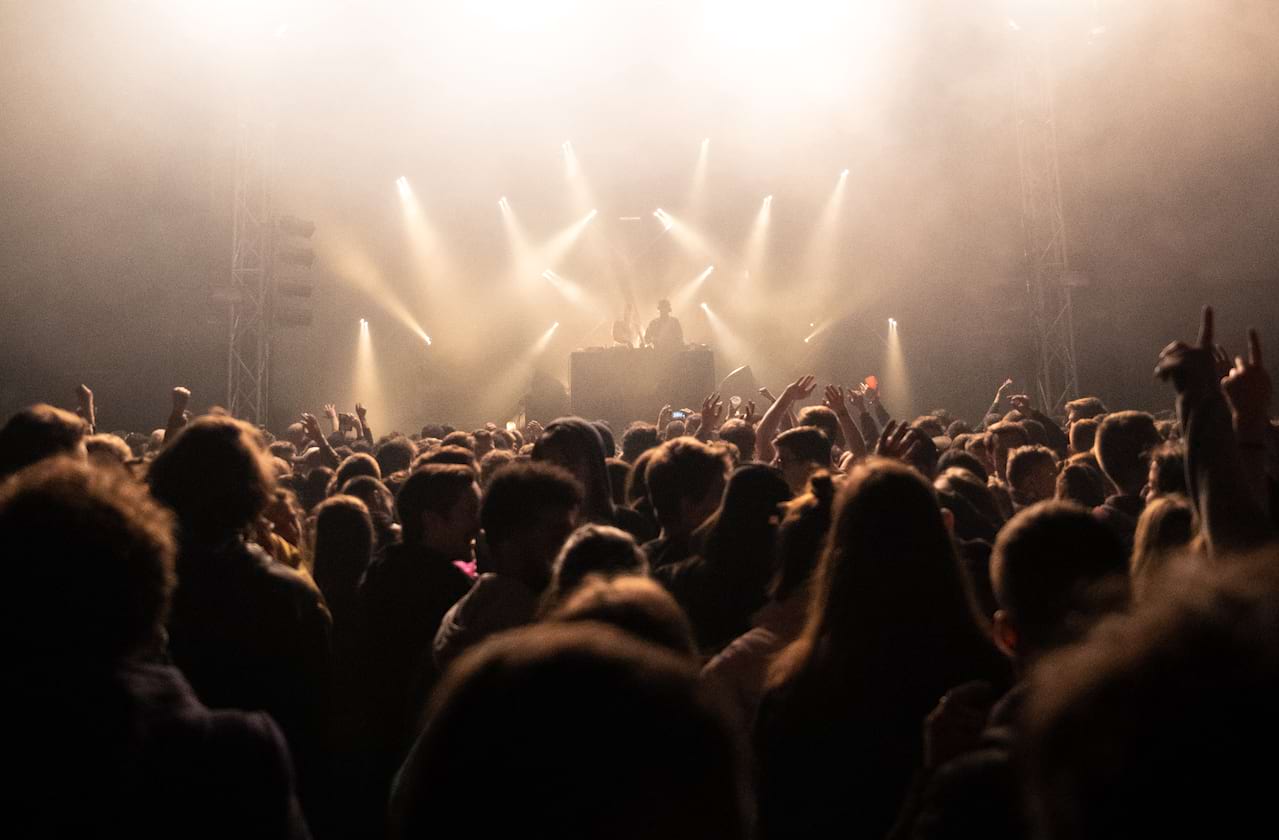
{"points": [[1121, 513], [134, 754], [249, 633], [403, 597]]}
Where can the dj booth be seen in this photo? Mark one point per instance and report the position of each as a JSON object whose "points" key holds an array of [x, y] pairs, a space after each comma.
{"points": [[621, 384]]}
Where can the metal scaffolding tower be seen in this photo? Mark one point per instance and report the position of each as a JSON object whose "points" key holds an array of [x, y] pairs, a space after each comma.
{"points": [[249, 347], [1044, 225]]}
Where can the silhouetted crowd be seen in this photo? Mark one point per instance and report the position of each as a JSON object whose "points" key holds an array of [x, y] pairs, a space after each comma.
{"points": [[816, 622]]}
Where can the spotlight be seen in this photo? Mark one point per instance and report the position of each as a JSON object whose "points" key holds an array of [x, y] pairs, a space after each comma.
{"points": [[503, 203], [592, 215], [768, 201], [892, 323], [555, 326], [705, 308], [427, 338], [844, 174], [402, 183]]}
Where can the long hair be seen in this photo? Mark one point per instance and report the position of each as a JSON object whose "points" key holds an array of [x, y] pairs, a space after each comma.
{"points": [[888, 593]]}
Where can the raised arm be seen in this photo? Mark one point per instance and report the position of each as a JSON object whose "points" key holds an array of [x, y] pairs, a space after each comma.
{"points": [[834, 400], [1231, 515], [994, 406], [1248, 389], [362, 414], [1057, 439], [712, 416], [316, 435], [85, 408], [769, 423], [331, 412]]}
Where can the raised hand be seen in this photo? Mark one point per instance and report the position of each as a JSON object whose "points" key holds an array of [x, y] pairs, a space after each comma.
{"points": [[1021, 402], [834, 399], [857, 396], [712, 412], [897, 441], [800, 388], [532, 431], [664, 417], [361, 412], [1191, 369], [747, 412], [312, 427], [1247, 385], [181, 398]]}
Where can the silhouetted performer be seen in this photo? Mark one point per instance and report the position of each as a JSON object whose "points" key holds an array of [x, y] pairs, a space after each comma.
{"points": [[664, 331]]}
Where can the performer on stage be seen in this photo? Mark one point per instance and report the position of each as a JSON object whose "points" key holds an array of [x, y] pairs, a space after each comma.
{"points": [[664, 332]]}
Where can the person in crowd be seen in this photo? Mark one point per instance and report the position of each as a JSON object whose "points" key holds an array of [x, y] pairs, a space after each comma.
{"points": [[1083, 435], [150, 759], [1124, 442], [638, 438], [493, 462], [1084, 408], [575, 445], [1032, 475], [722, 586], [248, 633], [342, 548], [890, 628], [741, 667], [105, 448], [637, 497], [1167, 474], [381, 507], [1165, 534], [685, 481], [405, 593], [593, 551], [40, 431], [527, 513], [589, 731], [801, 451], [1004, 437], [619, 473], [447, 454], [1056, 572], [315, 487], [633, 603], [356, 464], [1081, 483], [741, 434], [395, 454], [1176, 697]]}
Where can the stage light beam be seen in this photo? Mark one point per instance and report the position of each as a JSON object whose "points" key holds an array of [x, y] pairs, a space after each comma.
{"points": [[685, 293]]}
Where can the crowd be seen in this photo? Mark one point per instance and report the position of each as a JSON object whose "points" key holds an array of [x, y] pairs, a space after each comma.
{"points": [[820, 621]]}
